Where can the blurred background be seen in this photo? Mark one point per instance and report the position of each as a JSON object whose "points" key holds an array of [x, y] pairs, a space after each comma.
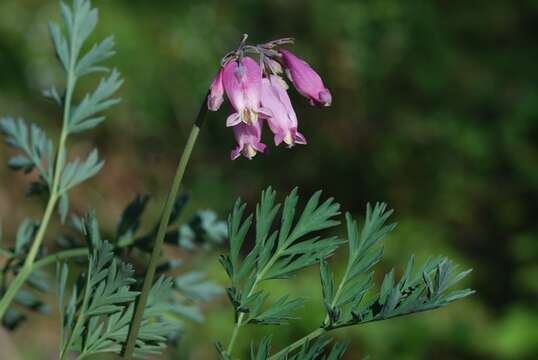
{"points": [[435, 112]]}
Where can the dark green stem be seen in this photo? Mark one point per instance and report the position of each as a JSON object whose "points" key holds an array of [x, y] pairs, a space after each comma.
{"points": [[157, 246]]}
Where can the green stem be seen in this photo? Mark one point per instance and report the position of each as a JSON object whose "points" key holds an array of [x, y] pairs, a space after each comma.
{"points": [[55, 194], [27, 267], [163, 225], [234, 334], [66, 254], [318, 332], [60, 255], [81, 318], [259, 278]]}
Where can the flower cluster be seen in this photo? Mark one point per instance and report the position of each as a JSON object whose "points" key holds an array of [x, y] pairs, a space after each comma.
{"points": [[258, 94]]}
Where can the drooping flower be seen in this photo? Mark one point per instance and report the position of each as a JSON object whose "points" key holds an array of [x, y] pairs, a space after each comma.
{"points": [[283, 121], [248, 137], [242, 83], [307, 82], [251, 78], [216, 92]]}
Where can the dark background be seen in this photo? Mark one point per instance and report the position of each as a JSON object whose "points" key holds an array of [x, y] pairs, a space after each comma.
{"points": [[435, 108]]}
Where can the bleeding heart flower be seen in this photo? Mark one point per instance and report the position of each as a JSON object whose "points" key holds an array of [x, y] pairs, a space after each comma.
{"points": [[283, 121], [242, 83], [257, 93], [248, 137], [307, 82]]}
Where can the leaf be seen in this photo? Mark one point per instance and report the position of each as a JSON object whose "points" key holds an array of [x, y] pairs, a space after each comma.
{"points": [[130, 218], [20, 162], [28, 300], [52, 93], [189, 312], [60, 45], [312, 350], [37, 149], [194, 286], [78, 171], [237, 232], [203, 229], [12, 319], [100, 321], [84, 115], [208, 227], [288, 214], [98, 53], [277, 253], [25, 235], [263, 350], [278, 313], [221, 351], [386, 287], [338, 351], [266, 212], [315, 217], [63, 207], [327, 284]]}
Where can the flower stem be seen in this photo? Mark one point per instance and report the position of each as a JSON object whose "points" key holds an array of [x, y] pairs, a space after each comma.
{"points": [[157, 246]]}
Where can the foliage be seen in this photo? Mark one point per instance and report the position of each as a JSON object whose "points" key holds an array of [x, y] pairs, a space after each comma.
{"points": [[277, 254], [97, 315], [309, 351], [37, 149], [348, 305], [99, 322], [57, 175]]}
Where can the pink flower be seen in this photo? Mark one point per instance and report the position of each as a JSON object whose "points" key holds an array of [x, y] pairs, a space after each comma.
{"points": [[242, 83], [307, 82], [283, 121], [216, 92], [248, 137]]}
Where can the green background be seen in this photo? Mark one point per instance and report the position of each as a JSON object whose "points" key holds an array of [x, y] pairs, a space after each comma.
{"points": [[435, 112]]}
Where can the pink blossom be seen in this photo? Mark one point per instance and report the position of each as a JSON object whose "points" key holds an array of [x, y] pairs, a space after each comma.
{"points": [[283, 121], [242, 83], [307, 82], [248, 137], [216, 92]]}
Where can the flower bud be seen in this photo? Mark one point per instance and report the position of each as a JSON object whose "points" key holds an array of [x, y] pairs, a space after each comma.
{"points": [[307, 82], [216, 92]]}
